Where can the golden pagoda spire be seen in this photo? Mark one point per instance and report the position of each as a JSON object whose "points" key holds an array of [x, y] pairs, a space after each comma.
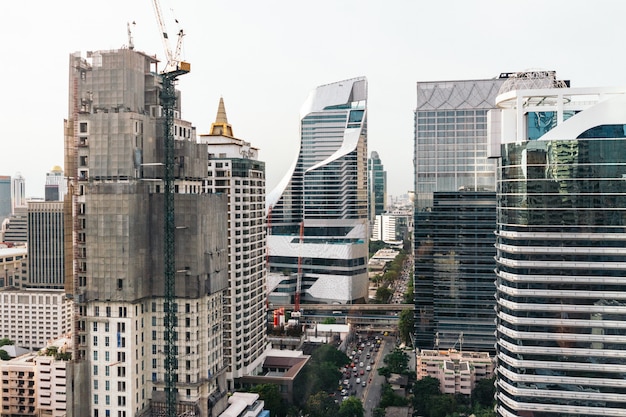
{"points": [[221, 126]]}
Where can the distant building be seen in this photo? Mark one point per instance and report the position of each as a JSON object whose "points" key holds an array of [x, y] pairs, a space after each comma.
{"points": [[18, 192], [377, 186], [6, 206], [391, 228], [16, 226], [56, 185], [46, 245], [32, 318], [13, 266], [456, 371]]}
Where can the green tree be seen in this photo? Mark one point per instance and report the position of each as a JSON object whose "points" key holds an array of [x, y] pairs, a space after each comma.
{"points": [[351, 407], [397, 361], [405, 325], [423, 390], [484, 391], [270, 394], [6, 341], [321, 404], [321, 373], [329, 320], [440, 405], [390, 399], [383, 294], [4, 355]]}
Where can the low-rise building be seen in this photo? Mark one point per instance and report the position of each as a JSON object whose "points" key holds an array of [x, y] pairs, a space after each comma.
{"points": [[12, 266], [31, 318], [35, 384], [245, 404], [456, 371]]}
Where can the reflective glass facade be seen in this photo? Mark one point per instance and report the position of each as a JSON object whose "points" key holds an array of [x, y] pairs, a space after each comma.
{"points": [[561, 278], [377, 186], [454, 215], [454, 270]]}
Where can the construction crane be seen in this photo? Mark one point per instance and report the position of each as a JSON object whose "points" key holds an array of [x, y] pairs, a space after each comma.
{"points": [[296, 307], [173, 69]]}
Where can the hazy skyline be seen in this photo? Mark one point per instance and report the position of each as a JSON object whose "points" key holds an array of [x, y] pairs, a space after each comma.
{"points": [[263, 58]]}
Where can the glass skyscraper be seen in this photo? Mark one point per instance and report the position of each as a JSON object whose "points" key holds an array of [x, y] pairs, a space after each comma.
{"points": [[377, 186], [454, 215], [317, 215], [561, 245]]}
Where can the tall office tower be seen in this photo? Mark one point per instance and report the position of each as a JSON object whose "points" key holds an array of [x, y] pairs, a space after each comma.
{"points": [[18, 192], [455, 189], [317, 215], [377, 186], [5, 197], [235, 171], [46, 248], [56, 185], [114, 159], [560, 269]]}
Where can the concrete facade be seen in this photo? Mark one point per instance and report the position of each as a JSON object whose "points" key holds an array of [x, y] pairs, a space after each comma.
{"points": [[236, 173], [32, 318], [114, 159], [46, 246], [456, 371]]}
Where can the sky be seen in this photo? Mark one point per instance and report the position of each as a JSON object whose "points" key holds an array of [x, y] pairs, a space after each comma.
{"points": [[264, 57]]}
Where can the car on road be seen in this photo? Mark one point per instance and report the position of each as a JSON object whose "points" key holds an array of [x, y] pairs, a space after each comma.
{"points": [[358, 380], [361, 364], [363, 383], [369, 368], [346, 382]]}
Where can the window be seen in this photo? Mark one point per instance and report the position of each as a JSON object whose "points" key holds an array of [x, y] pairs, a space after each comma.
{"points": [[107, 385], [95, 326], [107, 400], [95, 398], [83, 127], [95, 355], [106, 341], [108, 310], [95, 385], [95, 340], [95, 369], [107, 356]]}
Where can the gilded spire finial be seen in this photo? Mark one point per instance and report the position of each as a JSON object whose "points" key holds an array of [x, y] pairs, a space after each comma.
{"points": [[221, 127]]}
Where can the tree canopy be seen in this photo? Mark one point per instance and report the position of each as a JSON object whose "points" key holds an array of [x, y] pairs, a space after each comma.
{"points": [[351, 407]]}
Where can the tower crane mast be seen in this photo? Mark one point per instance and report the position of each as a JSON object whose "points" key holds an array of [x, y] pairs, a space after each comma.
{"points": [[173, 69]]}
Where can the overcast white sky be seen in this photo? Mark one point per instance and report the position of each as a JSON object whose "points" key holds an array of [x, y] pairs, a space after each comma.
{"points": [[264, 57]]}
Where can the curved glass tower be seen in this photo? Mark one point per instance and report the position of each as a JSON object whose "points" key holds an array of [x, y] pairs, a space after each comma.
{"points": [[325, 192], [561, 245]]}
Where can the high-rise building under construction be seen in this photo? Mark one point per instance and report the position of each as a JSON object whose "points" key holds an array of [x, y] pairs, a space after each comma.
{"points": [[114, 160]]}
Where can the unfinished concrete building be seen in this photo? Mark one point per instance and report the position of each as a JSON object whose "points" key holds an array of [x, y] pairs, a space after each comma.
{"points": [[114, 161]]}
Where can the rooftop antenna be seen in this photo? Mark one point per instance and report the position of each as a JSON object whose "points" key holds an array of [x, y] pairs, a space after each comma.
{"points": [[131, 45]]}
